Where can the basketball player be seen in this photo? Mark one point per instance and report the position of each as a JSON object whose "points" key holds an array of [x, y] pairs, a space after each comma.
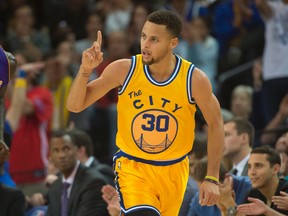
{"points": [[7, 67], [158, 92]]}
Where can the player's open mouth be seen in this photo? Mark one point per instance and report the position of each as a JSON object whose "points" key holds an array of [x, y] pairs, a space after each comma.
{"points": [[145, 53]]}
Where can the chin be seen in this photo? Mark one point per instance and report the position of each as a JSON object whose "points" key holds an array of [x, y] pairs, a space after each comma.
{"points": [[147, 62]]}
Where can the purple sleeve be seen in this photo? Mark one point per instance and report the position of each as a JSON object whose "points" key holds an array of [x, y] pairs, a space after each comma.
{"points": [[4, 69]]}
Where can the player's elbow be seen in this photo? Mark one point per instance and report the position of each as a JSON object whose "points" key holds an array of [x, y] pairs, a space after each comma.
{"points": [[73, 107]]}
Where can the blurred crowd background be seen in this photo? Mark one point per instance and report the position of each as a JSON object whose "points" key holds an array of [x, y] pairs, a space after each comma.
{"points": [[224, 38]]}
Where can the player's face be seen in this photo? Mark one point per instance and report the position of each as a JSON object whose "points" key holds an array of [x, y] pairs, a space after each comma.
{"points": [[63, 154], [260, 171], [156, 42], [233, 141]]}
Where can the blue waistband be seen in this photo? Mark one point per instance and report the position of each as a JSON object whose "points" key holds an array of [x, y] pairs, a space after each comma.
{"points": [[152, 162]]}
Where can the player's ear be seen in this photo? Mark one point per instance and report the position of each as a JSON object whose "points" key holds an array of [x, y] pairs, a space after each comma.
{"points": [[174, 42]]}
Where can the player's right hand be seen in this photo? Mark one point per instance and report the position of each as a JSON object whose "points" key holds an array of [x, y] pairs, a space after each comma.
{"points": [[93, 56]]}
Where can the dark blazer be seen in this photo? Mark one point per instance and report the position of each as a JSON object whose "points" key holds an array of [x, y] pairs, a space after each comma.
{"points": [[105, 169], [12, 201], [85, 197], [244, 172]]}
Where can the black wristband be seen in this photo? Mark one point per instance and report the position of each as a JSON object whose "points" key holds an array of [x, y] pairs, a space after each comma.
{"points": [[212, 181]]}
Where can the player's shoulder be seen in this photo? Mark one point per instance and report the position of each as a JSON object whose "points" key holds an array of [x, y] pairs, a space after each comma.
{"points": [[198, 74], [121, 63], [121, 66]]}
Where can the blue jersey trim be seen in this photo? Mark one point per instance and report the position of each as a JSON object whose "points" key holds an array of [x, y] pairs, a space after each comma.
{"points": [[151, 162], [129, 75], [189, 84], [171, 78], [140, 207]]}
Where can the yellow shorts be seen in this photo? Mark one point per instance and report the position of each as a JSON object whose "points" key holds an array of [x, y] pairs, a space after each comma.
{"points": [[159, 186]]}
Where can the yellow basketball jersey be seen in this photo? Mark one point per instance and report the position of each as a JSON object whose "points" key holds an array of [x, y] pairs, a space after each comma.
{"points": [[156, 119]]}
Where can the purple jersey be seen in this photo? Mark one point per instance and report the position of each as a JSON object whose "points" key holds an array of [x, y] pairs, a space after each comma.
{"points": [[4, 69]]}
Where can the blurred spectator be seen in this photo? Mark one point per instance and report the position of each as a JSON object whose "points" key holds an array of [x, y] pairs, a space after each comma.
{"points": [[30, 140], [12, 201], [17, 94], [6, 68], [241, 101], [239, 139], [138, 18], [118, 18], [281, 147], [269, 136], [257, 117], [62, 32], [111, 197], [23, 36], [186, 9], [85, 154], [58, 82], [71, 13], [264, 165], [200, 48], [263, 169], [199, 151], [240, 184], [82, 196], [93, 24], [67, 54], [275, 76], [103, 119], [237, 27]]}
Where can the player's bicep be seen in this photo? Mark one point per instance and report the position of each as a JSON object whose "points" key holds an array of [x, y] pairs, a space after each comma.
{"points": [[112, 77], [204, 97]]}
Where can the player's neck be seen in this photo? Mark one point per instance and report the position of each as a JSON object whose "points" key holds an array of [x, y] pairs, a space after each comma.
{"points": [[162, 70]]}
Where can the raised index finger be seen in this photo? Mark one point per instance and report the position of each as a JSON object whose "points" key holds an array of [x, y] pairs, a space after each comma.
{"points": [[99, 38]]}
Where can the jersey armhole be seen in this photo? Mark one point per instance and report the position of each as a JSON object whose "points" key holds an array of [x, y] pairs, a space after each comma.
{"points": [[129, 75], [189, 84]]}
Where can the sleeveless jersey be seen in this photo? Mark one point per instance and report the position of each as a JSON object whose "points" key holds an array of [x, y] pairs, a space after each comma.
{"points": [[156, 119], [4, 69]]}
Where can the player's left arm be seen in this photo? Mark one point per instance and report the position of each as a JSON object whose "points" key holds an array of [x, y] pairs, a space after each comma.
{"points": [[210, 108]]}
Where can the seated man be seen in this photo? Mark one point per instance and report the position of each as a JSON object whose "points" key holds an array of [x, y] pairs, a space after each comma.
{"points": [[80, 187], [85, 154], [263, 168], [12, 201]]}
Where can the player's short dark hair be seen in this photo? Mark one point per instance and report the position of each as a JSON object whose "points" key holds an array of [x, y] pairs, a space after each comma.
{"points": [[272, 155], [172, 21]]}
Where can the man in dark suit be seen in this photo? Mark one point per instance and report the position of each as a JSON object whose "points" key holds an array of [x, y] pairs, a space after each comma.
{"points": [[12, 201], [239, 139], [83, 186], [85, 154]]}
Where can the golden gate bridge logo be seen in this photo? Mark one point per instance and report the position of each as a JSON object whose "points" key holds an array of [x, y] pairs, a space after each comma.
{"points": [[153, 148], [154, 130]]}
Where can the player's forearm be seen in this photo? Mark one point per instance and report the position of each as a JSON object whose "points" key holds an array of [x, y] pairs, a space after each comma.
{"points": [[215, 148], [77, 94]]}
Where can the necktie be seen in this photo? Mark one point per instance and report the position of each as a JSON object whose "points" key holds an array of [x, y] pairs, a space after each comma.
{"points": [[235, 171], [64, 199]]}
